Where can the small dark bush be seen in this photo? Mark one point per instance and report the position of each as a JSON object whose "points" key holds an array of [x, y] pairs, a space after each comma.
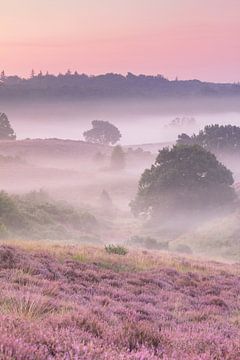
{"points": [[116, 249]]}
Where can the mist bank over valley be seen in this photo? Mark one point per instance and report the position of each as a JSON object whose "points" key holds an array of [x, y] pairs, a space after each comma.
{"points": [[63, 145], [46, 106], [140, 122]]}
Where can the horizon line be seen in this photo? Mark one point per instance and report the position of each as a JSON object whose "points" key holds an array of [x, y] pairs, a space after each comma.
{"points": [[70, 72]]}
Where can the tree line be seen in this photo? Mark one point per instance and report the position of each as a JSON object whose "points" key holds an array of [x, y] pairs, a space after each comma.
{"points": [[75, 85]]}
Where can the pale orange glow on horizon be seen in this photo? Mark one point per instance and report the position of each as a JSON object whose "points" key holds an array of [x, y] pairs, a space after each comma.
{"points": [[184, 38]]}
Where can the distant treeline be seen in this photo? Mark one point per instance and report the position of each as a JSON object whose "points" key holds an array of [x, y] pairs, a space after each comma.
{"points": [[74, 85]]}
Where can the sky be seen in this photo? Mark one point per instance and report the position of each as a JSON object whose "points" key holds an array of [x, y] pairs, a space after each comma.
{"points": [[187, 39]]}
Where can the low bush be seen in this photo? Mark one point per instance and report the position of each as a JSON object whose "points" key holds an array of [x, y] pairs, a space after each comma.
{"points": [[116, 249], [37, 216]]}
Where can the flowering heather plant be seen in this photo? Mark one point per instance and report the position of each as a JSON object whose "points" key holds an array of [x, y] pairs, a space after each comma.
{"points": [[53, 306]]}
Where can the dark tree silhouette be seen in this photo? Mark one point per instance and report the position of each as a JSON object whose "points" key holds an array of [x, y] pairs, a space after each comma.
{"points": [[6, 131], [182, 121], [184, 178], [111, 86], [3, 76], [215, 138], [102, 132]]}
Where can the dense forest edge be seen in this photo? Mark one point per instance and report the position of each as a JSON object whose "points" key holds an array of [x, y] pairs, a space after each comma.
{"points": [[81, 86]]}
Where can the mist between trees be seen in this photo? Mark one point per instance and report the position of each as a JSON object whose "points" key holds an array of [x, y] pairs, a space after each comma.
{"points": [[131, 195]]}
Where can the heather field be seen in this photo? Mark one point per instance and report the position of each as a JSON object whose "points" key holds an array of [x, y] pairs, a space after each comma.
{"points": [[69, 302]]}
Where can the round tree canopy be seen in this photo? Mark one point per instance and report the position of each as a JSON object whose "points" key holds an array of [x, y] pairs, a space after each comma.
{"points": [[102, 132], [184, 177]]}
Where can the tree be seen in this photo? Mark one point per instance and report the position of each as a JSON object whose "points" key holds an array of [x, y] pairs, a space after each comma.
{"points": [[182, 121], [102, 132], [6, 131], [215, 138], [3, 76], [184, 178], [118, 158], [185, 139]]}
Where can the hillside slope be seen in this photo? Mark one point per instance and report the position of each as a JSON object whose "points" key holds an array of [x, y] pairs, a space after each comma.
{"points": [[51, 149]]}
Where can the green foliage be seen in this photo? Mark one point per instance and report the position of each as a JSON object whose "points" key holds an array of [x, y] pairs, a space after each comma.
{"points": [[37, 216], [118, 158], [116, 249], [6, 131], [184, 178], [215, 138], [102, 132], [10, 216]]}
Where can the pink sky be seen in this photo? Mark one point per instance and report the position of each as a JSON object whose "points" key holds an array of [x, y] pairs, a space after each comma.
{"points": [[184, 38]]}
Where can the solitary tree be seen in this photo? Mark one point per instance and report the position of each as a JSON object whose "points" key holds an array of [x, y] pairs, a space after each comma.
{"points": [[184, 178], [118, 158], [102, 132], [6, 131]]}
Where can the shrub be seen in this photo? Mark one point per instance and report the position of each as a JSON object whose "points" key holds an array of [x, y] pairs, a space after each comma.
{"points": [[116, 249], [28, 306], [38, 216], [142, 333]]}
